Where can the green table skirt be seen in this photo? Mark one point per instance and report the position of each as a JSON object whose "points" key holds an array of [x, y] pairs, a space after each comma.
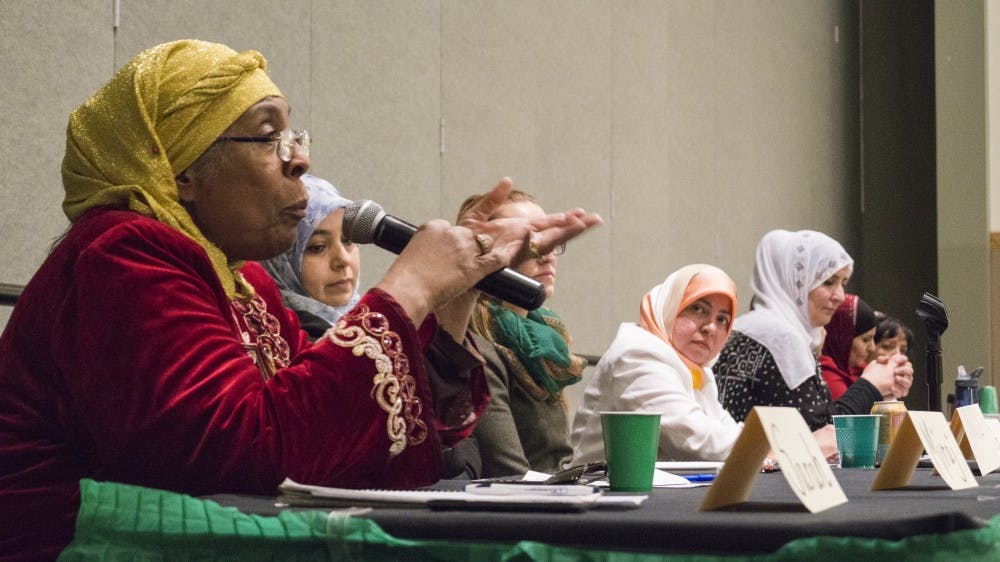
{"points": [[123, 522]]}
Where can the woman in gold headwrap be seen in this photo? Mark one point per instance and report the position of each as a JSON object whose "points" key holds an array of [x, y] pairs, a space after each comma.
{"points": [[148, 350]]}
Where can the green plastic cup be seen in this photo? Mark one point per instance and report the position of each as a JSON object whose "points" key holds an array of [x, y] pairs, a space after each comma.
{"points": [[988, 399], [857, 440], [630, 443]]}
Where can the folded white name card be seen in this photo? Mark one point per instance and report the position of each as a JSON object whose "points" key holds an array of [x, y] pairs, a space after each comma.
{"points": [[783, 431], [919, 432], [976, 438]]}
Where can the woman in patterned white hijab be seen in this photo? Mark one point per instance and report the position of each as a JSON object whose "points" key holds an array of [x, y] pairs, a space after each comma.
{"points": [[770, 358]]}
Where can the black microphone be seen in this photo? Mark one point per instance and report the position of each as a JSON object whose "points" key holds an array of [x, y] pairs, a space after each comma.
{"points": [[366, 222]]}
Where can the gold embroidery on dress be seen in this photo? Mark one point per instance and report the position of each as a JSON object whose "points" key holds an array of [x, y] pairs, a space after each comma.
{"points": [[394, 389], [261, 337]]}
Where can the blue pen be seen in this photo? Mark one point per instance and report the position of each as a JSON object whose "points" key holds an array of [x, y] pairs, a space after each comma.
{"points": [[699, 477]]}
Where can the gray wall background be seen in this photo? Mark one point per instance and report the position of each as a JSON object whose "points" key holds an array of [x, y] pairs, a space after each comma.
{"points": [[898, 151], [691, 126]]}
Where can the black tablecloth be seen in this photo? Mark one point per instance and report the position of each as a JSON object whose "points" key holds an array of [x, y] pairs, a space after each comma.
{"points": [[669, 521]]}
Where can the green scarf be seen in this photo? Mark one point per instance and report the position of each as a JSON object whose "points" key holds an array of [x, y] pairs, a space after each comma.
{"points": [[535, 348]]}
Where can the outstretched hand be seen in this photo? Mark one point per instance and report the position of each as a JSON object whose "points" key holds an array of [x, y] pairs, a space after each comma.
{"points": [[519, 238], [442, 261]]}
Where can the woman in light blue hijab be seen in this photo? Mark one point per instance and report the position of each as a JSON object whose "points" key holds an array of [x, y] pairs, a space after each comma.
{"points": [[330, 286], [318, 277]]}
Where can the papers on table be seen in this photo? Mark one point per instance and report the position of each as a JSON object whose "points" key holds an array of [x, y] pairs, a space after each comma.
{"points": [[481, 496], [663, 479], [668, 474], [533, 476], [693, 466]]}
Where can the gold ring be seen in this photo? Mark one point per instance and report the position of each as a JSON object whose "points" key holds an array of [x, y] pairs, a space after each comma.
{"points": [[484, 242], [536, 254]]}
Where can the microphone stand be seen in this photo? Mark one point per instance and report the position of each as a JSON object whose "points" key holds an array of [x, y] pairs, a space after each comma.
{"points": [[931, 311]]}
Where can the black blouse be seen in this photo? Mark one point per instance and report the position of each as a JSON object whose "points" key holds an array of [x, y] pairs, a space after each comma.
{"points": [[748, 376]]}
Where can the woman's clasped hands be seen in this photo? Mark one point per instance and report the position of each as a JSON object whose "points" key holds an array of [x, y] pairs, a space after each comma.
{"points": [[892, 375]]}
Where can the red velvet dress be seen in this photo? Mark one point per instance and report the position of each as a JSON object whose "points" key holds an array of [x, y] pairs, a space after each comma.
{"points": [[125, 360]]}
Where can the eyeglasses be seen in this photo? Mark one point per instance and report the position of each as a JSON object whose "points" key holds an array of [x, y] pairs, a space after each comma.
{"points": [[535, 253], [285, 139]]}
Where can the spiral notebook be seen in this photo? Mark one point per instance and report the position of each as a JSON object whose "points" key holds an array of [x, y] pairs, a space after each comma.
{"points": [[475, 496]]}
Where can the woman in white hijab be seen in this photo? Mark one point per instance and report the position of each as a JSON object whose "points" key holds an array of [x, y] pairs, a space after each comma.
{"points": [[663, 364], [770, 358]]}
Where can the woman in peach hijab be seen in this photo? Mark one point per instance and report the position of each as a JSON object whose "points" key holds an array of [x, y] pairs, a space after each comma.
{"points": [[663, 364]]}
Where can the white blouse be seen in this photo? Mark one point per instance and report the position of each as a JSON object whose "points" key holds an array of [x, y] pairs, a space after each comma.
{"points": [[642, 373]]}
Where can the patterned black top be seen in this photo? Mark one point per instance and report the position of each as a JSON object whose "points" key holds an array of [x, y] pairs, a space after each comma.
{"points": [[748, 376]]}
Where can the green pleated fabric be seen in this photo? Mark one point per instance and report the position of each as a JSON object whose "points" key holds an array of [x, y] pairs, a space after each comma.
{"points": [[123, 522]]}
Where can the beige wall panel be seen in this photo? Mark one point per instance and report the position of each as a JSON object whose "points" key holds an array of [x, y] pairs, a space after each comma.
{"points": [[525, 94], [727, 123], [279, 29], [989, 377], [375, 96], [992, 10], [962, 186], [54, 54]]}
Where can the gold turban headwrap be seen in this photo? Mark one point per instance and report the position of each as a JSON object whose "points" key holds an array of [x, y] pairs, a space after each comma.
{"points": [[160, 112]]}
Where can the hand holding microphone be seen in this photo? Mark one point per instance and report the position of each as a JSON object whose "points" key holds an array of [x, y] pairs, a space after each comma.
{"points": [[366, 222], [439, 262]]}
